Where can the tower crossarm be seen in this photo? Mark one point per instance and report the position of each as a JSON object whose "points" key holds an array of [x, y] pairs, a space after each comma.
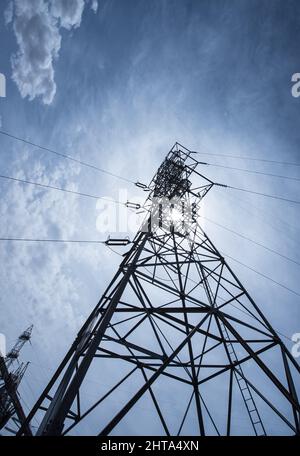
{"points": [[13, 354]]}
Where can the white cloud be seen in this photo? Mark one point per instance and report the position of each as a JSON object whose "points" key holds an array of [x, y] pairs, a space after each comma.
{"points": [[37, 24], [68, 12], [8, 13], [39, 42], [94, 5]]}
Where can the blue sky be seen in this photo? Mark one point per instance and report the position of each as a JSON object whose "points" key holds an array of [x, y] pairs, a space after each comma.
{"points": [[116, 83]]}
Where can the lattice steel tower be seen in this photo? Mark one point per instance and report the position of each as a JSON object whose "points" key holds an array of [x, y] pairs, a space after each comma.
{"points": [[10, 379], [176, 345]]}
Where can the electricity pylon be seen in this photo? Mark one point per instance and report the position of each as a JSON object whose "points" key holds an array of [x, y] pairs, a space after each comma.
{"points": [[14, 353], [176, 345], [10, 379]]}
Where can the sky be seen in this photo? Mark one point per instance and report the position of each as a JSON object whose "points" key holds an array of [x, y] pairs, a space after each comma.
{"points": [[115, 83]]}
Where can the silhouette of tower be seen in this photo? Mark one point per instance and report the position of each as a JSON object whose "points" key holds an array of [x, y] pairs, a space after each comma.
{"points": [[176, 345], [10, 378]]}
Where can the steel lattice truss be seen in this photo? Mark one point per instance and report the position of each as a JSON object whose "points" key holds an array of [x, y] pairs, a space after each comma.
{"points": [[176, 344]]}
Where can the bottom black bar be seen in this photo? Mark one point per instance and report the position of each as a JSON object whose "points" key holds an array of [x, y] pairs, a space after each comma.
{"points": [[101, 446]]}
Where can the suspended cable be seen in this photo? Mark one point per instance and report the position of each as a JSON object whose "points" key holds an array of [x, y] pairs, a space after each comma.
{"points": [[87, 195], [263, 275], [251, 240], [262, 217], [281, 198], [68, 157], [25, 381], [254, 172], [108, 242], [52, 240], [239, 157], [29, 408], [254, 318]]}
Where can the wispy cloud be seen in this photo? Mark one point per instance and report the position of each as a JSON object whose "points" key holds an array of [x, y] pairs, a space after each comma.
{"points": [[37, 27]]}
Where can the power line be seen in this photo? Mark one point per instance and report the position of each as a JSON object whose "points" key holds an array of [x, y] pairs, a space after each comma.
{"points": [[251, 240], [262, 217], [53, 240], [251, 316], [107, 242], [255, 172], [114, 251], [263, 275], [38, 184], [29, 408], [239, 157], [261, 194], [68, 157]]}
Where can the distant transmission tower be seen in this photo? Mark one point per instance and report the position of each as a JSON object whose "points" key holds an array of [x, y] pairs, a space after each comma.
{"points": [[10, 378], [176, 345]]}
